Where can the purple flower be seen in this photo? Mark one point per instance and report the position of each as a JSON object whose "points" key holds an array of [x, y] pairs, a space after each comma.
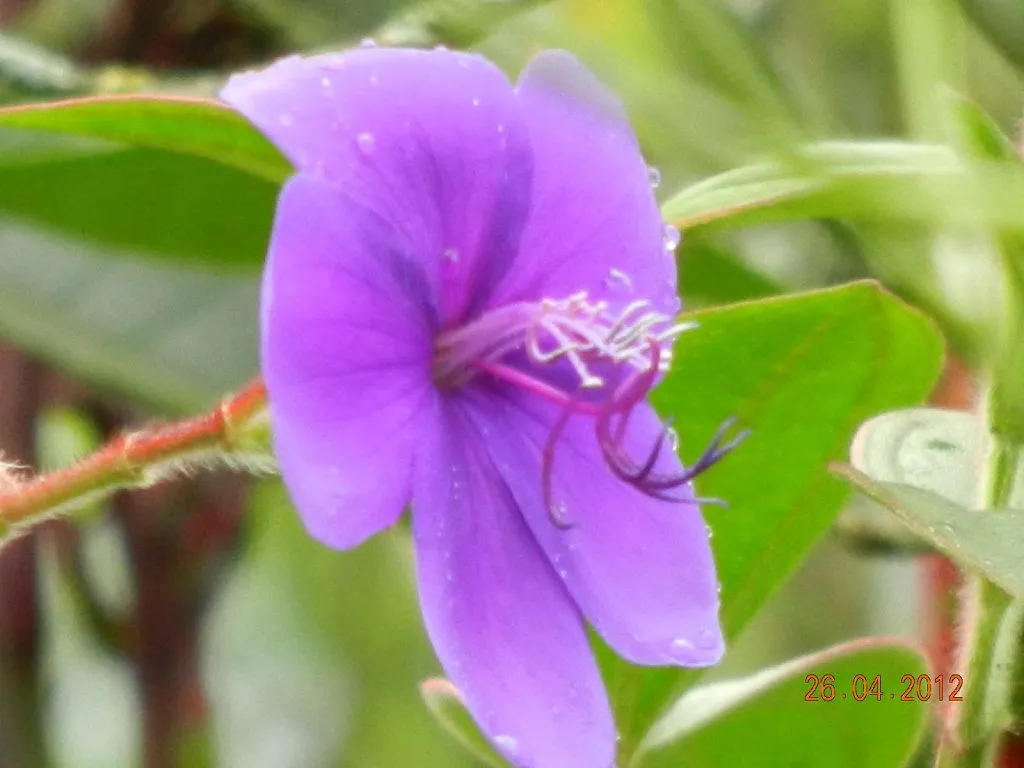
{"points": [[468, 295]]}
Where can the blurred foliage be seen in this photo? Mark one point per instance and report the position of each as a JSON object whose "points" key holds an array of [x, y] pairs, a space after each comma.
{"points": [[806, 143]]}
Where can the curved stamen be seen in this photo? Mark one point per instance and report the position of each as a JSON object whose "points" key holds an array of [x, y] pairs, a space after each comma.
{"points": [[656, 486], [590, 338], [535, 386], [711, 455], [643, 472], [547, 468], [630, 393], [642, 475]]}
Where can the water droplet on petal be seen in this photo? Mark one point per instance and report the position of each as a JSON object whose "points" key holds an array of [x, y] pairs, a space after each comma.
{"points": [[366, 142], [616, 278], [563, 574], [451, 255], [670, 237], [682, 644], [286, 119], [368, 42], [507, 744], [707, 638], [654, 176], [672, 437], [476, 101]]}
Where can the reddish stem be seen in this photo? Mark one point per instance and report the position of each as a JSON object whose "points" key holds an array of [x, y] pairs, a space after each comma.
{"points": [[126, 459]]}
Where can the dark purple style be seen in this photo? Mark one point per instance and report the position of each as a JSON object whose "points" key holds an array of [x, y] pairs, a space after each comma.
{"points": [[468, 296]]}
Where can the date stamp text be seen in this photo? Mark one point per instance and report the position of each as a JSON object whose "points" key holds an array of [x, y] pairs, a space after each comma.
{"points": [[864, 688]]}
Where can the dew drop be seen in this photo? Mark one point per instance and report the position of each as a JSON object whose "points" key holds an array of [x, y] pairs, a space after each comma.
{"points": [[476, 101], [673, 439], [368, 42], [286, 120], [616, 278], [366, 142], [682, 644], [563, 574], [706, 638], [670, 237], [507, 744], [451, 255], [654, 176]]}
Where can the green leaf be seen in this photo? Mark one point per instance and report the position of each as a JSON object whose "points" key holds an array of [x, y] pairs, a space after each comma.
{"points": [[810, 183], [928, 448], [146, 204], [447, 707], [765, 719], [86, 281], [802, 372], [986, 541], [871, 180], [197, 127]]}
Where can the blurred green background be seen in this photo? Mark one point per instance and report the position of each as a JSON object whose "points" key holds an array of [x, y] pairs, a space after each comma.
{"points": [[128, 291]]}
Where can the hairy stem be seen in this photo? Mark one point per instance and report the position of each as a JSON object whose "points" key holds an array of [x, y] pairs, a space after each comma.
{"points": [[233, 433], [991, 623]]}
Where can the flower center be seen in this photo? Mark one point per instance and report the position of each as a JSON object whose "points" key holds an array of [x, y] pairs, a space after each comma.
{"points": [[586, 358]]}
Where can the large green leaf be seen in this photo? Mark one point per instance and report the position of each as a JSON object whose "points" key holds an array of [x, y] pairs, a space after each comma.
{"points": [[146, 203], [198, 127], [802, 372], [93, 275], [766, 720]]}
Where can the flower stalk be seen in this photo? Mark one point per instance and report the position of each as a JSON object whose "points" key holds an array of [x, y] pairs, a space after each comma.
{"points": [[235, 433], [990, 643]]}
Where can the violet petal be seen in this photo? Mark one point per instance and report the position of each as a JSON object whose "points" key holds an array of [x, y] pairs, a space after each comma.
{"points": [[594, 223], [640, 569], [346, 347], [433, 141], [506, 632]]}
